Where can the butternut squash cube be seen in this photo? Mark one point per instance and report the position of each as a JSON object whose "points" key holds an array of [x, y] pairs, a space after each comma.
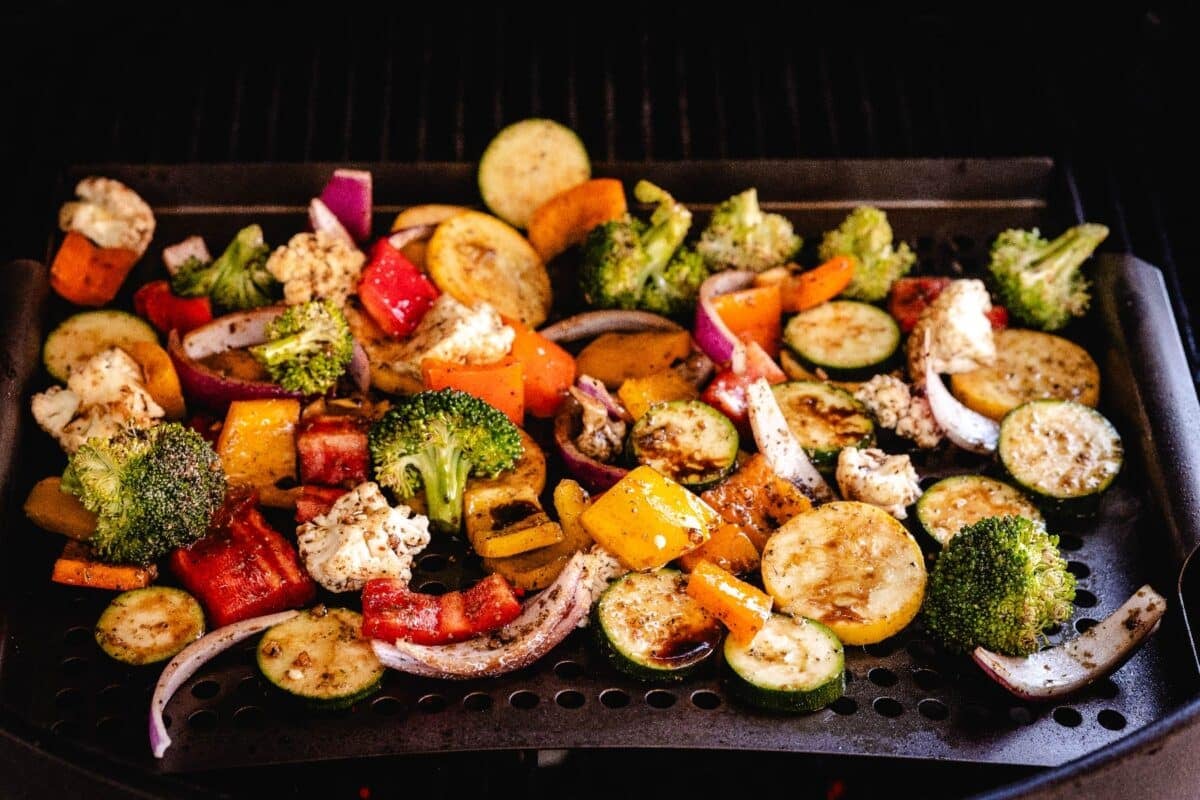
{"points": [[257, 445]]}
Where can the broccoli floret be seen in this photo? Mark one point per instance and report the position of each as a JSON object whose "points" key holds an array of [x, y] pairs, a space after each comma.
{"points": [[997, 584], [237, 280], [629, 264], [1040, 281], [866, 237], [152, 489], [308, 347], [436, 440], [741, 236]]}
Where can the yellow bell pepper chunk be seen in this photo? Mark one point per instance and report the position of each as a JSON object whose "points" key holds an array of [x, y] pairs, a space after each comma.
{"points": [[638, 394], [647, 519], [257, 445]]}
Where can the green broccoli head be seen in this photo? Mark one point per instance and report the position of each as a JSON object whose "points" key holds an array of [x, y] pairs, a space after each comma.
{"points": [[152, 489], [308, 347], [631, 264], [1041, 282], [997, 584], [237, 280], [436, 440], [866, 237], [741, 236]]}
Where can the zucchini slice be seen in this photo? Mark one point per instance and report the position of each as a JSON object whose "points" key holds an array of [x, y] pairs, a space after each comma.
{"points": [[81, 336], [526, 164], [849, 565], [1030, 365], [473, 257], [824, 419], [651, 629], [953, 503], [321, 657], [148, 625], [793, 664], [686, 440], [847, 339], [1063, 454]]}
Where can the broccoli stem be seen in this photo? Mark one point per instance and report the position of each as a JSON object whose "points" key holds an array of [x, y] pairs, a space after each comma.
{"points": [[444, 472], [278, 350], [668, 226], [1067, 252]]}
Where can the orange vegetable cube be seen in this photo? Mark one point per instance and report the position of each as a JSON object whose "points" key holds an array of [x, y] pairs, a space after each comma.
{"points": [[501, 384], [257, 445], [743, 608]]}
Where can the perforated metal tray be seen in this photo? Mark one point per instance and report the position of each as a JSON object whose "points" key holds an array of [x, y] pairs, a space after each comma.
{"points": [[906, 698]]}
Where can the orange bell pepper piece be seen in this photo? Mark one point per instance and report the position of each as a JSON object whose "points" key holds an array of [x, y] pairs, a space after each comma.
{"points": [[743, 608], [819, 285], [501, 384], [730, 547], [753, 314], [549, 369], [89, 275]]}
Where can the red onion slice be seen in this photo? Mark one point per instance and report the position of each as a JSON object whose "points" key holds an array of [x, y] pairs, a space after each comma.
{"points": [[544, 622], [711, 333], [777, 444], [1067, 668], [191, 658], [325, 221], [359, 368], [597, 391], [348, 197], [968, 429], [594, 323]]}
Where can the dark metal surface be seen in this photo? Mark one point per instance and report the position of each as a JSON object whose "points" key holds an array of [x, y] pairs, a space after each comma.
{"points": [[906, 699]]}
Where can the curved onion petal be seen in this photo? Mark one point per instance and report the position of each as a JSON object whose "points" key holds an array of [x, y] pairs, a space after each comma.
{"points": [[359, 368], [1061, 670], [711, 333], [597, 391], [348, 197], [594, 323], [595, 475], [191, 658], [968, 429], [413, 233], [545, 621], [777, 444], [212, 388], [323, 220]]}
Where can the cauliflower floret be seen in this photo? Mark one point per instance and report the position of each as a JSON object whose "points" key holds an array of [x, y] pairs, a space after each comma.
{"points": [[361, 538], [452, 331], [959, 331], [315, 266], [104, 396], [110, 214], [601, 569], [901, 408], [872, 476]]}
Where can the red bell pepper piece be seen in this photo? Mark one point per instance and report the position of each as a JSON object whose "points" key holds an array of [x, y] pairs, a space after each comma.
{"points": [[392, 611], [313, 501], [394, 292], [727, 391], [911, 296], [333, 450], [243, 568], [167, 311]]}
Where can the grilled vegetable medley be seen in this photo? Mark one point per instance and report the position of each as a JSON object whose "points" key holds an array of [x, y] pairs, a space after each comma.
{"points": [[725, 452]]}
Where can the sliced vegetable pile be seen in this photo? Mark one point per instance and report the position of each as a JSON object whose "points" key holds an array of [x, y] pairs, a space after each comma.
{"points": [[741, 438]]}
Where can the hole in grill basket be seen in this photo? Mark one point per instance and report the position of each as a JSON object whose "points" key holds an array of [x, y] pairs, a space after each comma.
{"points": [[386, 706], [1108, 689], [933, 709], [112, 726], [77, 637], [887, 707], [431, 703], [614, 698], [568, 670], [249, 717], [927, 679], [433, 587], [1069, 541], [74, 667], [658, 698], [206, 690], [1020, 715], [706, 700], [844, 706], [477, 701], [111, 697], [1085, 599], [880, 676], [250, 687], [1052, 630], [205, 719], [1085, 624], [68, 698], [1067, 717], [523, 699], [1079, 569], [1113, 720], [849, 677], [569, 698], [433, 563]]}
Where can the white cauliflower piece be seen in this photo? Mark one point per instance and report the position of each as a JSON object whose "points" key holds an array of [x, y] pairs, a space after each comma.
{"points": [[103, 397], [902, 408], [110, 214], [452, 331], [360, 538], [959, 331], [872, 476], [316, 266], [601, 569]]}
